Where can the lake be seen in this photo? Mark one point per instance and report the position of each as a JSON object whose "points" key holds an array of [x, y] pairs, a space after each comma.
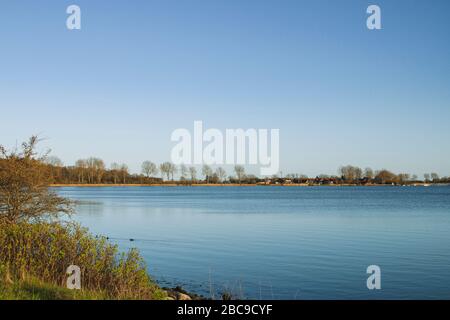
{"points": [[281, 242]]}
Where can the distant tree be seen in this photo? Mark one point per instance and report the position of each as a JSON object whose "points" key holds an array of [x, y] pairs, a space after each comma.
{"points": [[414, 177], [24, 186], [240, 172], [251, 178], [53, 161], [214, 178], [172, 169], [434, 177], [345, 173], [368, 173], [165, 169], [81, 167], [183, 171], [426, 177], [90, 169], [96, 168], [115, 170], [193, 173], [403, 177], [350, 173], [385, 176], [99, 170], [207, 172], [124, 172], [56, 166], [149, 169], [221, 174], [358, 173]]}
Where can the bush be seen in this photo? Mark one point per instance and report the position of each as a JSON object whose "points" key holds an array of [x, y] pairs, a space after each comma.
{"points": [[24, 192], [44, 250]]}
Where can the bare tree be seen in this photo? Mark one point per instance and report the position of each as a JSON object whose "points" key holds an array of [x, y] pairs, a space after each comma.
{"points": [[221, 174], [165, 168], [368, 173], [240, 173], [434, 177], [172, 169], [99, 169], [207, 172], [183, 172], [54, 161], [95, 169], [358, 173], [350, 173], [124, 172], [403, 177], [24, 186], [193, 173], [81, 166], [115, 170], [56, 166], [90, 169], [426, 177], [149, 169]]}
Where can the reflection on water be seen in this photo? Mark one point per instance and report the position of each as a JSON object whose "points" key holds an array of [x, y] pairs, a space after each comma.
{"points": [[281, 242]]}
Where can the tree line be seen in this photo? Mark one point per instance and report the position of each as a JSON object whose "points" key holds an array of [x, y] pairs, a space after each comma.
{"points": [[94, 171], [353, 174]]}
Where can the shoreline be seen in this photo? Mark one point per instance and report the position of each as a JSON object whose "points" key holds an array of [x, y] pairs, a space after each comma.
{"points": [[102, 185]]}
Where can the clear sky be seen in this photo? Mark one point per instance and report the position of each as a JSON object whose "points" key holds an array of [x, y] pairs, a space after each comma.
{"points": [[137, 70]]}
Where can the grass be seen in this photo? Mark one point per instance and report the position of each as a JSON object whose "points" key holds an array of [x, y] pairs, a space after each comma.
{"points": [[33, 289]]}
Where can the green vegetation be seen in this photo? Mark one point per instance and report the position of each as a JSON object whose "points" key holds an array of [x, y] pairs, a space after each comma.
{"points": [[34, 258], [33, 289]]}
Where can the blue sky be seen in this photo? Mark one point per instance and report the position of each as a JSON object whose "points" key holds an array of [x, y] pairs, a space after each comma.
{"points": [[339, 93]]}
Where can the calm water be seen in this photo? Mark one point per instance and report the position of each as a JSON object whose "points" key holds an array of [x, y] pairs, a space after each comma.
{"points": [[281, 242]]}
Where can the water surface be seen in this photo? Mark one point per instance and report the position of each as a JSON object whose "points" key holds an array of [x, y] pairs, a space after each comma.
{"points": [[281, 242]]}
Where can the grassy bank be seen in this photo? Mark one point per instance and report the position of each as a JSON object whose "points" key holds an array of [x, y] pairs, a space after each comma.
{"points": [[34, 289], [34, 258]]}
